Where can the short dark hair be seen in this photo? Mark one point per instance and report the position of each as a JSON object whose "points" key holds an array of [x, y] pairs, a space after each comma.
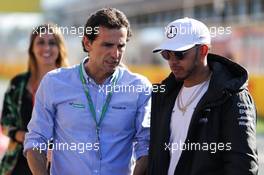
{"points": [[110, 18]]}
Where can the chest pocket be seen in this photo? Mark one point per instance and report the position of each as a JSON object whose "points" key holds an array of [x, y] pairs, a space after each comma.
{"points": [[121, 114], [204, 118], [211, 124], [74, 116], [123, 118]]}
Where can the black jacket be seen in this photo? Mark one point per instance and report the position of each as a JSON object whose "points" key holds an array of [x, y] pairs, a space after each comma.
{"points": [[225, 118]]}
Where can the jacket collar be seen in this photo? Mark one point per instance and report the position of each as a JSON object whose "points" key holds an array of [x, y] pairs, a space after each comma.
{"points": [[227, 77]]}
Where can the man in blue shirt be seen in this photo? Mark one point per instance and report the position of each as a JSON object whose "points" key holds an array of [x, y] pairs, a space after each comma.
{"points": [[96, 112]]}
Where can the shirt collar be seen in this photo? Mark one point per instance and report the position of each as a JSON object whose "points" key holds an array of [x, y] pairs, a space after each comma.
{"points": [[91, 80]]}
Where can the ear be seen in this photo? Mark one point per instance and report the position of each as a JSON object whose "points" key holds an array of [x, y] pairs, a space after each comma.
{"points": [[204, 50], [86, 43]]}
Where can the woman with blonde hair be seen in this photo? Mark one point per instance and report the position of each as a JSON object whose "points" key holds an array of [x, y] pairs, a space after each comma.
{"points": [[46, 52]]}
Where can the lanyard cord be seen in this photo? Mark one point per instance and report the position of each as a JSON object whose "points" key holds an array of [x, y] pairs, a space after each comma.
{"points": [[90, 102]]}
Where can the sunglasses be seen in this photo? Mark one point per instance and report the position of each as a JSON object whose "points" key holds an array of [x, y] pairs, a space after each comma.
{"points": [[179, 55]]}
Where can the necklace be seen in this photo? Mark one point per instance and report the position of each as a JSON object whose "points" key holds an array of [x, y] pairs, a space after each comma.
{"points": [[183, 107]]}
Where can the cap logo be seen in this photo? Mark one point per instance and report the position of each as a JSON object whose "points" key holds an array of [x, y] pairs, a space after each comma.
{"points": [[171, 32]]}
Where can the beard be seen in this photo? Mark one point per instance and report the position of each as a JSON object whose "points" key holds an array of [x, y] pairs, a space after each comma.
{"points": [[186, 73]]}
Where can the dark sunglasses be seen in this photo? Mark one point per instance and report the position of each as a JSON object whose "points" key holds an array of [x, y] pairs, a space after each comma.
{"points": [[166, 54]]}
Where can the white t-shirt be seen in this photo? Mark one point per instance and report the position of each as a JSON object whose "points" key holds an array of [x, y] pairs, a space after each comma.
{"points": [[179, 124]]}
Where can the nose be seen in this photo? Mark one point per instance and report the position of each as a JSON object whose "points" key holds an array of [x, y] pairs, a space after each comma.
{"points": [[115, 53], [173, 59], [47, 46]]}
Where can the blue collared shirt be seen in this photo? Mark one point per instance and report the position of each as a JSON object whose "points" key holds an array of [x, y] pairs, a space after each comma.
{"points": [[61, 112]]}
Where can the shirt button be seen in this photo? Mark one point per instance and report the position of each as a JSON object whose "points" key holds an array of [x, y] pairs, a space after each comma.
{"points": [[96, 171]]}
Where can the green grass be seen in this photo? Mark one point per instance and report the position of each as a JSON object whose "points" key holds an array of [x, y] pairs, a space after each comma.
{"points": [[260, 125]]}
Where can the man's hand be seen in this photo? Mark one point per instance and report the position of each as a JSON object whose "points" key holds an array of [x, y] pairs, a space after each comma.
{"points": [[141, 166], [37, 162], [20, 136]]}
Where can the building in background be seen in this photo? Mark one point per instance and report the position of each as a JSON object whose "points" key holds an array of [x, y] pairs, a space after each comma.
{"points": [[235, 25]]}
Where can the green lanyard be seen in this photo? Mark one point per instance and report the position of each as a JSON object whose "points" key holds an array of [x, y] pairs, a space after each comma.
{"points": [[90, 102]]}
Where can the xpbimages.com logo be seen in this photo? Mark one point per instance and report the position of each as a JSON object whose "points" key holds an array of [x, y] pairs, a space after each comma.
{"points": [[190, 146], [131, 89], [72, 30], [172, 31], [79, 147]]}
